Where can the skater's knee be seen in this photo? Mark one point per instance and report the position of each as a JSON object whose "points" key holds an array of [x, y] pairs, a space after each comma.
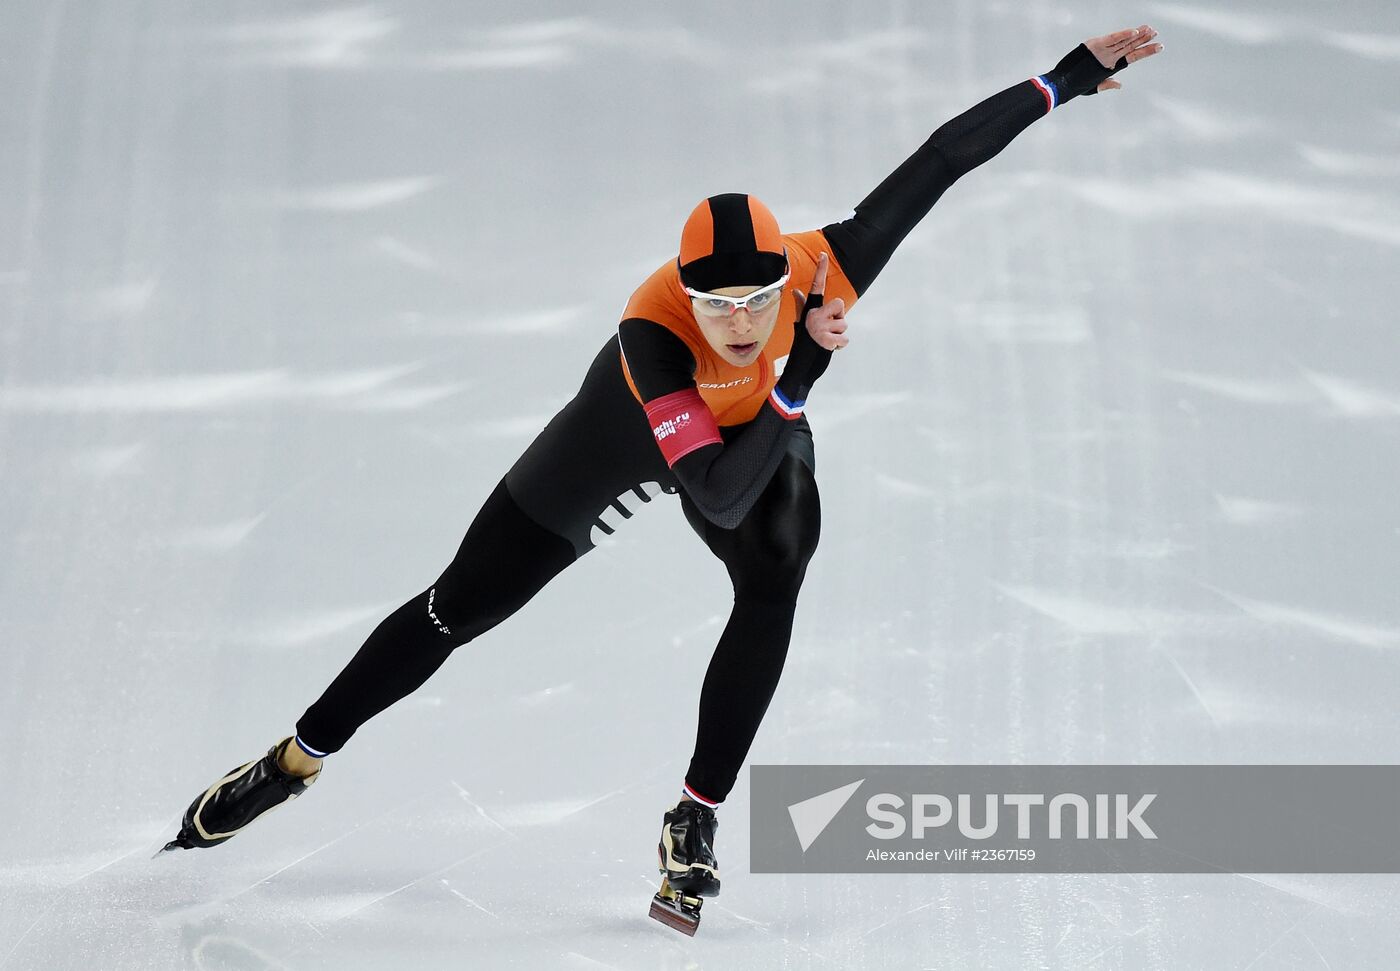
{"points": [[461, 613], [445, 612], [775, 549], [783, 555], [504, 560], [451, 616], [792, 547], [774, 573]]}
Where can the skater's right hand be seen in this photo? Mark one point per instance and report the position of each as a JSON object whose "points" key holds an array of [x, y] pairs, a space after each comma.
{"points": [[826, 322]]}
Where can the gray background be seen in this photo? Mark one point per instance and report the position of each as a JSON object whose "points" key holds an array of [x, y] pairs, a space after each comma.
{"points": [[1108, 471]]}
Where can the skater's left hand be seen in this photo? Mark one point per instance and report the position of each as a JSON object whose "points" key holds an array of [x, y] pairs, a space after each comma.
{"points": [[1131, 44]]}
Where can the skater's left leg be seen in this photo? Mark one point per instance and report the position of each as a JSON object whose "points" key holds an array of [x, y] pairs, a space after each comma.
{"points": [[767, 557]]}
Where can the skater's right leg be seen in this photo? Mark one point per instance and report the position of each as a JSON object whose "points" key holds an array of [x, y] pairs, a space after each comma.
{"points": [[593, 457], [296, 761], [504, 560], [596, 460]]}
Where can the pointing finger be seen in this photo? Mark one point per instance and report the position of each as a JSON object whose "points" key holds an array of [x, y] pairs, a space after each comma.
{"points": [[819, 280]]}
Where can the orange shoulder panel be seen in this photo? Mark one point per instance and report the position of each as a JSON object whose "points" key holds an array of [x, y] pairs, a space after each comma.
{"points": [[662, 300], [803, 250]]}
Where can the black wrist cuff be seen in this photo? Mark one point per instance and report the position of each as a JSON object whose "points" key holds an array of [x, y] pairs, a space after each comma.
{"points": [[807, 360], [1079, 72]]}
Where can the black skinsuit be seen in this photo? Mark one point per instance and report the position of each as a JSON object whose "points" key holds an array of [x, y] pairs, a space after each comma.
{"points": [[598, 453]]}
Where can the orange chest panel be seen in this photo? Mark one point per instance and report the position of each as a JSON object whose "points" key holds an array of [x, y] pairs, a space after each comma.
{"points": [[735, 394]]}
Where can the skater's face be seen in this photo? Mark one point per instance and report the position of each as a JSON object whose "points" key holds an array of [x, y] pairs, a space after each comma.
{"points": [[739, 336]]}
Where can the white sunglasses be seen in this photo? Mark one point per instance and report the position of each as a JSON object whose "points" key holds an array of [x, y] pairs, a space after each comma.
{"points": [[719, 305]]}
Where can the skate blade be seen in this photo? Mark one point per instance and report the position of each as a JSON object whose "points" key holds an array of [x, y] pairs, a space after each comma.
{"points": [[180, 842], [676, 910], [174, 844]]}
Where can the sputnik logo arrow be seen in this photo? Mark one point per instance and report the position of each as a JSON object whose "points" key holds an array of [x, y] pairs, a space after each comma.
{"points": [[811, 816]]}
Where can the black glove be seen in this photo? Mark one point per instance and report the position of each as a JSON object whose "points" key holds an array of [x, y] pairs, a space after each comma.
{"points": [[1079, 72], [807, 360]]}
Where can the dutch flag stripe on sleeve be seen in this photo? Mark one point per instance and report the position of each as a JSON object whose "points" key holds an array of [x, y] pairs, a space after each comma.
{"points": [[790, 410], [1047, 89]]}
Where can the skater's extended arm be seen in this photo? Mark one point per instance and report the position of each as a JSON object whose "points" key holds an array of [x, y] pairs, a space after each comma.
{"points": [[724, 479], [864, 243]]}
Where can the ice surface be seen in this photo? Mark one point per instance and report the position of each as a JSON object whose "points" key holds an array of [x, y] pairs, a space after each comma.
{"points": [[285, 287]]}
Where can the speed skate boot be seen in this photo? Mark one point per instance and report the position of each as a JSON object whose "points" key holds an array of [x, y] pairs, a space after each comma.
{"points": [[687, 862], [225, 808]]}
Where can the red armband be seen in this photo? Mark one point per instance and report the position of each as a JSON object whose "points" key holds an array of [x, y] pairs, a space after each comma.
{"points": [[681, 422]]}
